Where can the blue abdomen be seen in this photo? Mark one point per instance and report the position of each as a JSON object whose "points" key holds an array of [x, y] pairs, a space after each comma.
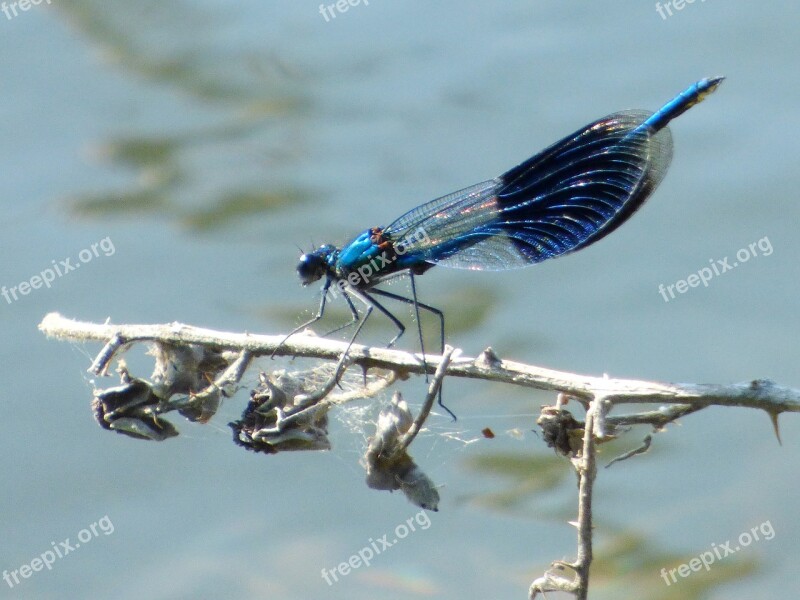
{"points": [[682, 102]]}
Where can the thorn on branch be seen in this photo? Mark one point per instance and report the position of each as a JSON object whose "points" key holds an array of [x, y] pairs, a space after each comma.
{"points": [[773, 415], [488, 358]]}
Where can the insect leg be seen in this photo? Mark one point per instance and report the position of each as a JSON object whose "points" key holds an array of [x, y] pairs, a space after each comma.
{"points": [[320, 312], [431, 309]]}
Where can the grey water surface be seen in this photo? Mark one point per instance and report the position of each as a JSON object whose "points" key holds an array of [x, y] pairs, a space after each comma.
{"points": [[197, 144]]}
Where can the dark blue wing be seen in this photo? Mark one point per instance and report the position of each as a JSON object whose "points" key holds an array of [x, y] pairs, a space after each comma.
{"points": [[563, 199]]}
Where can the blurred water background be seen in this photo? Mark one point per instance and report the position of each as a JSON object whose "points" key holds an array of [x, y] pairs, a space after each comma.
{"points": [[209, 139]]}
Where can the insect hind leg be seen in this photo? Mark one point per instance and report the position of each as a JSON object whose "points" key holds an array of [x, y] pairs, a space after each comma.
{"points": [[370, 301], [417, 305], [353, 311]]}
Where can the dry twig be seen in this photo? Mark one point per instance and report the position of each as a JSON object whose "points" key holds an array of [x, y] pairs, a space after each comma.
{"points": [[289, 411]]}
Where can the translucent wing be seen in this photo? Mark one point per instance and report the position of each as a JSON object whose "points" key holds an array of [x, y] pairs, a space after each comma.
{"points": [[563, 199]]}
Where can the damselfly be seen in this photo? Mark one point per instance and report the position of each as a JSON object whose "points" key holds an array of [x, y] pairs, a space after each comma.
{"points": [[563, 199]]}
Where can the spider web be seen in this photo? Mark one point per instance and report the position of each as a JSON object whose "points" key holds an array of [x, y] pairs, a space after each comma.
{"points": [[355, 411]]}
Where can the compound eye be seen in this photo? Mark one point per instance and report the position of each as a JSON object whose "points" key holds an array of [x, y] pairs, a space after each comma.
{"points": [[310, 268]]}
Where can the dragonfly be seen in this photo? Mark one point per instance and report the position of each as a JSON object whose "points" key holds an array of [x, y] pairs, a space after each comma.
{"points": [[559, 201]]}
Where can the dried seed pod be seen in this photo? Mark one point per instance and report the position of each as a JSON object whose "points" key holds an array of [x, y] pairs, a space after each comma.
{"points": [[389, 466], [560, 430], [184, 369], [131, 409], [261, 429], [153, 428]]}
